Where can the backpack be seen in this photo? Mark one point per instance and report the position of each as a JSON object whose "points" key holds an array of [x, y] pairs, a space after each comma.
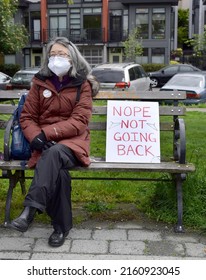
{"points": [[20, 147]]}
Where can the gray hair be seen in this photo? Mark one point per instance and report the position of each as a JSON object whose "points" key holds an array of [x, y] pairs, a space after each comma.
{"points": [[77, 60], [79, 63]]}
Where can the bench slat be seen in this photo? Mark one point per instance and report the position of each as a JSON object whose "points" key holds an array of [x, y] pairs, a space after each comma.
{"points": [[100, 165], [7, 109], [124, 95], [104, 95], [147, 95], [11, 94], [102, 110]]}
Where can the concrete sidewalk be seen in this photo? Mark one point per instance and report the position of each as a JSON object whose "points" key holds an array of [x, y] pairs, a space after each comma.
{"points": [[104, 240]]}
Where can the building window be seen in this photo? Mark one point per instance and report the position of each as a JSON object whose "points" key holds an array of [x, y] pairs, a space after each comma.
{"points": [[158, 23], [75, 25], [158, 55], [57, 11], [58, 26], [89, 1], [115, 34], [56, 1], [37, 60], [37, 29], [144, 58], [142, 22], [57, 23], [204, 17], [92, 22], [74, 20], [92, 55], [125, 24]]}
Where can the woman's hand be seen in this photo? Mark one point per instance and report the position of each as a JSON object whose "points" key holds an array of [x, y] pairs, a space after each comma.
{"points": [[38, 142]]}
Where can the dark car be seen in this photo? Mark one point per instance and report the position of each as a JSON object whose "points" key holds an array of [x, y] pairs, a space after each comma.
{"points": [[4, 80], [162, 76], [22, 79]]}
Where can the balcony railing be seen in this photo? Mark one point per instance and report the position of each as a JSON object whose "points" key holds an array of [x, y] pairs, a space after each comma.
{"points": [[87, 35], [115, 36]]}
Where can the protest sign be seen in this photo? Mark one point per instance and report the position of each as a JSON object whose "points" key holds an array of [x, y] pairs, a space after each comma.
{"points": [[133, 133]]}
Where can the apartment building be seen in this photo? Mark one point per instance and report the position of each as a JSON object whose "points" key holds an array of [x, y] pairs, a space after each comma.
{"points": [[197, 15], [98, 28]]}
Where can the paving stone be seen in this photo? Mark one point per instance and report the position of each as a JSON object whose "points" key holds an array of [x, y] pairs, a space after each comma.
{"points": [[89, 246], [181, 238], [127, 247], [195, 250], [111, 234], [144, 235], [128, 226], [80, 234], [163, 248], [15, 255], [16, 244]]}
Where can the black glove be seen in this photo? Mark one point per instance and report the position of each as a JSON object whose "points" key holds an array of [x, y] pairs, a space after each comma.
{"points": [[38, 142], [48, 144]]}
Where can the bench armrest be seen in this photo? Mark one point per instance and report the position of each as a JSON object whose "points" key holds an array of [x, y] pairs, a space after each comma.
{"points": [[7, 135], [179, 141]]}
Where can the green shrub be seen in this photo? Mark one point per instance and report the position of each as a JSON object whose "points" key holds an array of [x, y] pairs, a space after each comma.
{"points": [[9, 69], [152, 67]]}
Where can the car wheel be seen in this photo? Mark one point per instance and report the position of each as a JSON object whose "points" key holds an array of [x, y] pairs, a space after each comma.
{"points": [[154, 82]]}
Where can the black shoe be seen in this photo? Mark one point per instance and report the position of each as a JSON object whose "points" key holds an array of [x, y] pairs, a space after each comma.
{"points": [[23, 222], [57, 238]]}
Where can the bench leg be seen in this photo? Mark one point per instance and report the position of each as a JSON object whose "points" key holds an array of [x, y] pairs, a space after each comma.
{"points": [[13, 180], [179, 178]]}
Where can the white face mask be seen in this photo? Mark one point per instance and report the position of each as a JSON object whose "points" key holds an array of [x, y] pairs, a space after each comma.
{"points": [[59, 65]]}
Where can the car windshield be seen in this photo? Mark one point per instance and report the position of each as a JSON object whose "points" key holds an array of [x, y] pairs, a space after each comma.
{"points": [[22, 77], [186, 81], [108, 76]]}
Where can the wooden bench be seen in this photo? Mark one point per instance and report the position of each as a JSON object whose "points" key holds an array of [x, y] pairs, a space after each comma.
{"points": [[170, 121]]}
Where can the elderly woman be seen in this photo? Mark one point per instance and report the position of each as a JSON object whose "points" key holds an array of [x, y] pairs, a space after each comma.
{"points": [[55, 121]]}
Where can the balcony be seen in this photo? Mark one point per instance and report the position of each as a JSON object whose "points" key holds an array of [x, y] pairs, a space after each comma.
{"points": [[82, 36], [88, 35], [117, 36]]}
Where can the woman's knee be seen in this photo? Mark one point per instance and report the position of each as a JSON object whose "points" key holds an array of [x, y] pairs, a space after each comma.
{"points": [[62, 153]]}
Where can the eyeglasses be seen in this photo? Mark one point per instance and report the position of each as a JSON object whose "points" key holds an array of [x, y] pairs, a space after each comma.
{"points": [[60, 54]]}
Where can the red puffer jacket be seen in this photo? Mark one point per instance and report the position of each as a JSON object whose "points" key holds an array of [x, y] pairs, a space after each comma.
{"points": [[59, 116]]}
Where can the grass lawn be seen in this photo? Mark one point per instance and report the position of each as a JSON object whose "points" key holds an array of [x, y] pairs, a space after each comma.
{"points": [[124, 200]]}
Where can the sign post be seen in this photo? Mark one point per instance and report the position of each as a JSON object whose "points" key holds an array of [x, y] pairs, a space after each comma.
{"points": [[133, 133]]}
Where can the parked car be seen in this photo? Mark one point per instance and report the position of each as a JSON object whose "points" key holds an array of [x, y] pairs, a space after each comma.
{"points": [[162, 76], [193, 83], [4, 80], [122, 76], [22, 79]]}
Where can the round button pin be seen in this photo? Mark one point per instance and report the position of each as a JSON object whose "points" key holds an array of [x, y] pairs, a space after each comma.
{"points": [[47, 93]]}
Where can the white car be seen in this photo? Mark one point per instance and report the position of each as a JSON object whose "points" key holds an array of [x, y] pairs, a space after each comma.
{"points": [[193, 83], [4, 80], [122, 76]]}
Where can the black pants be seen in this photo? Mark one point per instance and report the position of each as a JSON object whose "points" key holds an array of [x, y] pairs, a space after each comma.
{"points": [[50, 189]]}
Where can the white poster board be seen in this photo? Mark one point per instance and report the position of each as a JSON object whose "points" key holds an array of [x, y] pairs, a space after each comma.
{"points": [[133, 133]]}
